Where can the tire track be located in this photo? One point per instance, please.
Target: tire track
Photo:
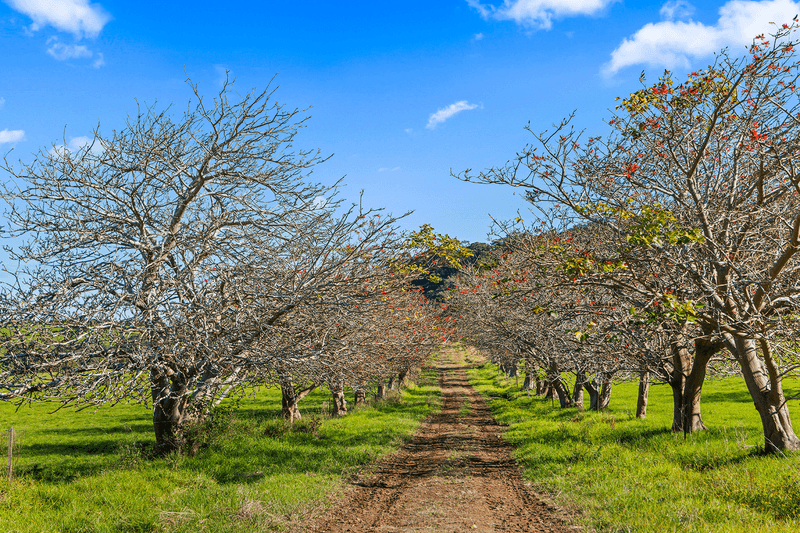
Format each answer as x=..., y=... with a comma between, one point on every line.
x=455, y=475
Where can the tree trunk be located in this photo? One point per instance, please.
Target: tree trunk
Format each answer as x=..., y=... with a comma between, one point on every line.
x=289, y=402
x=169, y=410
x=528, y=383
x=644, y=392
x=381, y=391
x=550, y=392
x=681, y=364
x=692, y=389
x=564, y=399
x=291, y=397
x=392, y=383
x=557, y=384
x=360, y=396
x=401, y=378
x=594, y=394
x=764, y=384
x=511, y=370
x=541, y=387
x=577, y=390
x=605, y=393
x=339, y=401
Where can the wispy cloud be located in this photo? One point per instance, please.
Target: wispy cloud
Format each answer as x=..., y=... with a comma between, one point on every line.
x=447, y=112
x=78, y=17
x=2, y=102
x=63, y=51
x=11, y=136
x=76, y=143
x=677, y=43
x=676, y=9
x=478, y=37
x=539, y=14
x=387, y=169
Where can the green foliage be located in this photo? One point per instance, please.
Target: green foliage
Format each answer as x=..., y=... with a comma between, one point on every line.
x=94, y=472
x=427, y=246
x=649, y=226
x=636, y=475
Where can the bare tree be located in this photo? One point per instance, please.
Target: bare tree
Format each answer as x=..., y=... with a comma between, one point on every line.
x=172, y=261
x=697, y=188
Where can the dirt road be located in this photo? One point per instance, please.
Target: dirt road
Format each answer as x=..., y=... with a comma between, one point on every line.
x=456, y=475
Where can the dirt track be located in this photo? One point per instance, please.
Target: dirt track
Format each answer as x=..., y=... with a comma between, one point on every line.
x=455, y=475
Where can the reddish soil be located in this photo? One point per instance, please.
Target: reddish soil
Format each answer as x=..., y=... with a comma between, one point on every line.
x=456, y=475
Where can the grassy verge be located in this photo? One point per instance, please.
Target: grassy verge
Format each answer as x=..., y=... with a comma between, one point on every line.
x=91, y=472
x=625, y=474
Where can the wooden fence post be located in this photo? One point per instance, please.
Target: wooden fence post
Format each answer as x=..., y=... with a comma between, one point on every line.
x=10, y=454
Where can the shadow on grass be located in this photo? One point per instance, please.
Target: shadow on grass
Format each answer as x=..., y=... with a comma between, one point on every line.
x=141, y=427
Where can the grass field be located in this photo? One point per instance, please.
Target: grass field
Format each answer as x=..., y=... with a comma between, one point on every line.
x=618, y=473
x=92, y=472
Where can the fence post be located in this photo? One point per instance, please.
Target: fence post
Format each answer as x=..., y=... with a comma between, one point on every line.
x=10, y=454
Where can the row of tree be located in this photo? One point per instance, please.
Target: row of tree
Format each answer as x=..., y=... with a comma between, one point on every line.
x=663, y=247
x=178, y=261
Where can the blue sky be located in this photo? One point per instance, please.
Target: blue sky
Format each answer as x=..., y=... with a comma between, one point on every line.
x=400, y=92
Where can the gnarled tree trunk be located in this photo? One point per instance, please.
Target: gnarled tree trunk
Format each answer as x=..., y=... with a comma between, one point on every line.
x=360, y=396
x=401, y=378
x=289, y=402
x=339, y=402
x=291, y=397
x=764, y=384
x=170, y=397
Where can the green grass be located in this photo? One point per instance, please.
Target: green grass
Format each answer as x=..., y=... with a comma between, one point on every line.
x=623, y=474
x=93, y=472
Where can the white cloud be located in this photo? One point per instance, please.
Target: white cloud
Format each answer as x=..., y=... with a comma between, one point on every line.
x=76, y=143
x=387, y=169
x=447, y=112
x=676, y=9
x=2, y=102
x=63, y=51
x=99, y=62
x=478, y=37
x=674, y=44
x=11, y=136
x=539, y=13
x=78, y=17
